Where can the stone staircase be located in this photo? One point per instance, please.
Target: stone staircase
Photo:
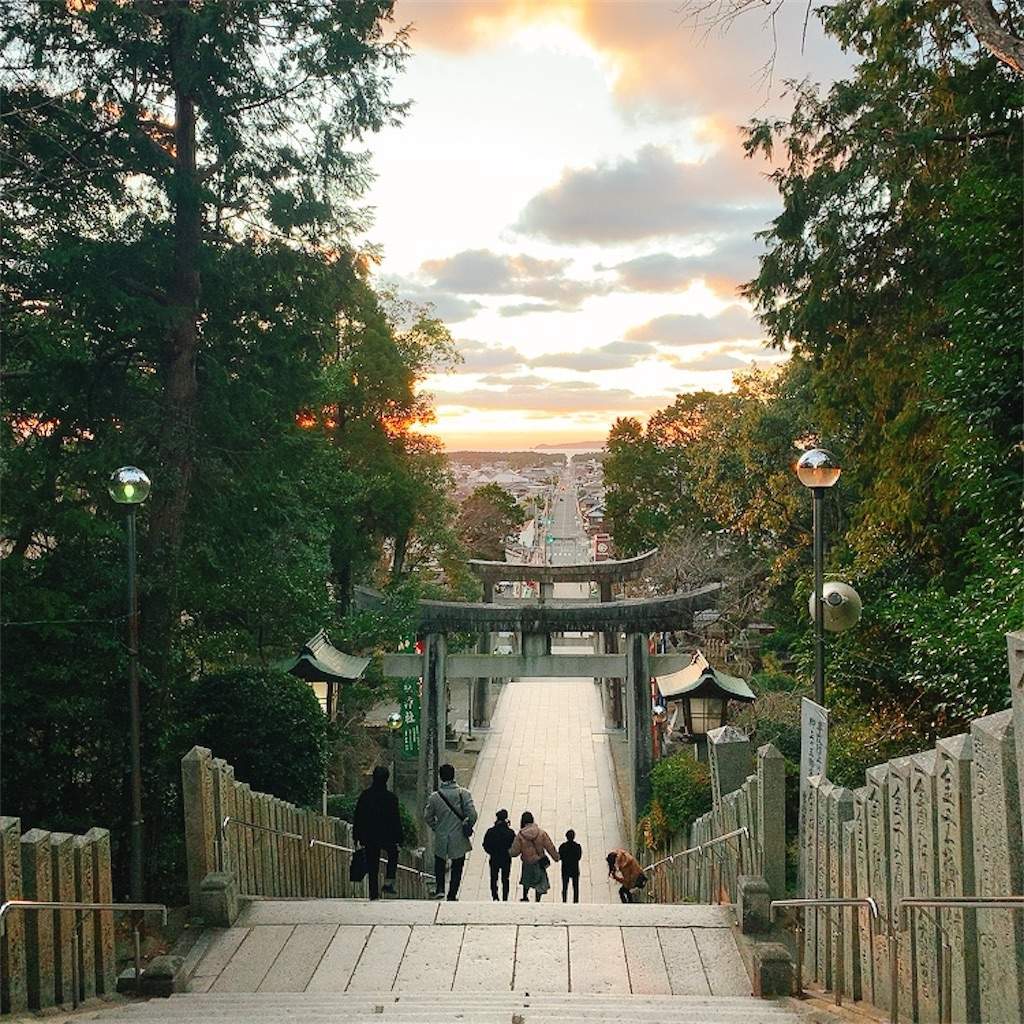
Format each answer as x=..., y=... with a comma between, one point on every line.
x=475, y=963
x=450, y=1008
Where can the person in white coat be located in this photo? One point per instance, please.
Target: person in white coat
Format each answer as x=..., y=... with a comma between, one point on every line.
x=451, y=816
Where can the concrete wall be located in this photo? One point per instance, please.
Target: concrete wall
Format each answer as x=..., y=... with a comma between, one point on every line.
x=36, y=948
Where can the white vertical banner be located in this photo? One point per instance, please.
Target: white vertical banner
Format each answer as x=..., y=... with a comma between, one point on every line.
x=813, y=759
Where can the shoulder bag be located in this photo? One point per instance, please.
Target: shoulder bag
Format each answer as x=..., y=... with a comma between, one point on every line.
x=467, y=829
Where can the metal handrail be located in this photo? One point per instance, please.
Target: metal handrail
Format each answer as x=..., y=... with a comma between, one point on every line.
x=905, y=903
x=798, y=933
x=349, y=849
x=741, y=831
x=229, y=820
x=77, y=907
x=681, y=853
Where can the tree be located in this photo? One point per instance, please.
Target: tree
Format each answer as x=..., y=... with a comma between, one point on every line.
x=487, y=519
x=199, y=124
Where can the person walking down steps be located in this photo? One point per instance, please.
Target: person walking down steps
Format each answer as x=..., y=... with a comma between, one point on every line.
x=626, y=870
x=497, y=841
x=377, y=827
x=450, y=814
x=570, y=853
x=534, y=845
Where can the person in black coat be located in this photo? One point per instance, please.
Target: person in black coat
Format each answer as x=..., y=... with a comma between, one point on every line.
x=569, y=855
x=497, y=842
x=377, y=827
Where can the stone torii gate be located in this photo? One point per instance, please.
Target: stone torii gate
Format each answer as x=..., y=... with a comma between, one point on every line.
x=535, y=624
x=605, y=574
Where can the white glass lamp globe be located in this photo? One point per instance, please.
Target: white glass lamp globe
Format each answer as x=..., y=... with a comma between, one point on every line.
x=129, y=485
x=841, y=606
x=818, y=468
x=394, y=721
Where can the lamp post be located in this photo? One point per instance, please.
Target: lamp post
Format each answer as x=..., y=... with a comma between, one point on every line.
x=394, y=731
x=130, y=486
x=818, y=470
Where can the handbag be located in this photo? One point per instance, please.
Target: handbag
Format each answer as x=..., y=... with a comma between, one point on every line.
x=467, y=829
x=358, y=869
x=544, y=863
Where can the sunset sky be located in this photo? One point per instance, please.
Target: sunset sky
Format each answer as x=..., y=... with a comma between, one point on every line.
x=570, y=193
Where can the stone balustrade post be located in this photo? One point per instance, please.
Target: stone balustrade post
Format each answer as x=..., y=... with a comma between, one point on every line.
x=998, y=866
x=62, y=865
x=200, y=820
x=13, y=979
x=82, y=848
x=37, y=884
x=103, y=923
x=771, y=818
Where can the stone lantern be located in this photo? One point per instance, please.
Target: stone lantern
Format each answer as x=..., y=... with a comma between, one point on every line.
x=704, y=694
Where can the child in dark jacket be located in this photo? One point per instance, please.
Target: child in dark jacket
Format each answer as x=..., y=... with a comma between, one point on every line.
x=497, y=842
x=569, y=854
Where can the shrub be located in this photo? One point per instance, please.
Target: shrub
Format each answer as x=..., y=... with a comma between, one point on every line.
x=269, y=726
x=680, y=792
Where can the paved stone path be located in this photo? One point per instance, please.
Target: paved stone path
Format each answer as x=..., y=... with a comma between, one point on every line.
x=547, y=753
x=403, y=946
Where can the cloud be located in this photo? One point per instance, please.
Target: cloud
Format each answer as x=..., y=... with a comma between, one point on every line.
x=710, y=361
x=525, y=308
x=480, y=358
x=617, y=356
x=483, y=272
x=695, y=329
x=650, y=195
x=732, y=262
x=447, y=307
x=550, y=397
x=663, y=63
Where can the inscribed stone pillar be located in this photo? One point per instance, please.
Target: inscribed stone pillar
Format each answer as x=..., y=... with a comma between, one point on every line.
x=37, y=884
x=879, y=871
x=730, y=761
x=901, y=880
x=852, y=917
x=1015, y=657
x=639, y=722
x=200, y=825
x=62, y=865
x=86, y=940
x=823, y=871
x=956, y=871
x=771, y=818
x=103, y=924
x=865, y=923
x=999, y=866
x=433, y=714
x=13, y=982
x=925, y=868
x=840, y=811
x=809, y=844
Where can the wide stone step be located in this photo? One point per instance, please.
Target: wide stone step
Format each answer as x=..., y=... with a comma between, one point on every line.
x=442, y=1008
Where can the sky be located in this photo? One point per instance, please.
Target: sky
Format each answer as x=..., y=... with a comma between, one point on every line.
x=570, y=193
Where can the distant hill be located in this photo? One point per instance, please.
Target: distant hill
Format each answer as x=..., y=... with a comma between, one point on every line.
x=592, y=446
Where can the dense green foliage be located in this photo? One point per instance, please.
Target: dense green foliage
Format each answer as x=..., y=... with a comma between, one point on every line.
x=180, y=293
x=893, y=275
x=266, y=724
x=680, y=793
x=487, y=519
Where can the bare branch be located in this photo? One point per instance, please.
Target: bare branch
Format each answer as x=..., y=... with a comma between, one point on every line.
x=1002, y=42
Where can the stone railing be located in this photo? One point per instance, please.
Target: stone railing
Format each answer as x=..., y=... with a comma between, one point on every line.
x=37, y=949
x=942, y=823
x=265, y=846
x=743, y=834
